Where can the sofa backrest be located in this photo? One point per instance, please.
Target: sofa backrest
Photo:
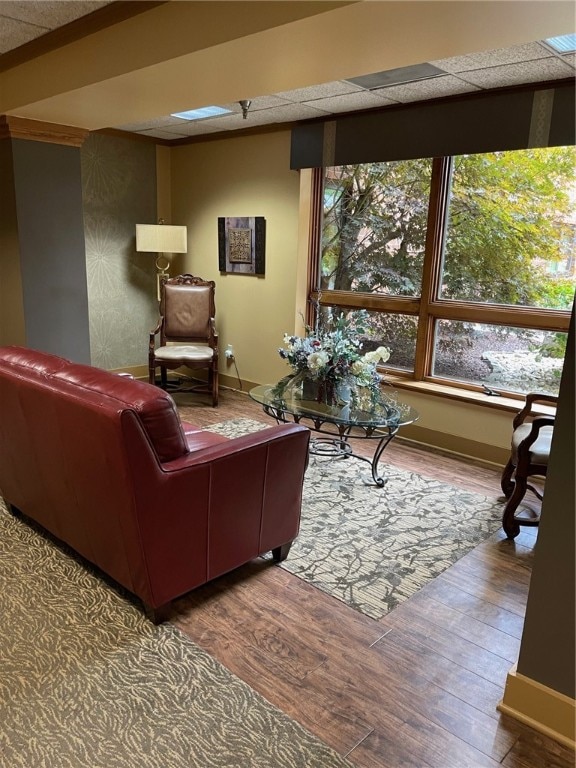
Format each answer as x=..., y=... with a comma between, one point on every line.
x=154, y=407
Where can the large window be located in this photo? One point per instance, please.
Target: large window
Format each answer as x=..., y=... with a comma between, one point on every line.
x=466, y=264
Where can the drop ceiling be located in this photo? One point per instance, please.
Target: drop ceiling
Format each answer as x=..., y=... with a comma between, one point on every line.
x=24, y=21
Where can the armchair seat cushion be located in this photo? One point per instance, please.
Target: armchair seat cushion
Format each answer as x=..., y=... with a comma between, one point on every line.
x=540, y=448
x=189, y=352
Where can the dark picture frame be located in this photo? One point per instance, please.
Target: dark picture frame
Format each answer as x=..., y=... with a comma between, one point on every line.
x=242, y=245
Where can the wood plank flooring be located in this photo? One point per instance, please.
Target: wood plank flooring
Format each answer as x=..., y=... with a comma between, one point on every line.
x=417, y=689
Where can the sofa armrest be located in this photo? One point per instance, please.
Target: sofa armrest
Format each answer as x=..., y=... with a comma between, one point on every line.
x=207, y=513
x=234, y=446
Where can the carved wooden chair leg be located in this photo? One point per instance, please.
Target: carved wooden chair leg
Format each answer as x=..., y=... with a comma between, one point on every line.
x=509, y=523
x=281, y=553
x=506, y=482
x=214, y=381
x=163, y=377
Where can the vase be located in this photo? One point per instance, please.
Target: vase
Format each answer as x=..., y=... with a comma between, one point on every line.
x=326, y=391
x=343, y=392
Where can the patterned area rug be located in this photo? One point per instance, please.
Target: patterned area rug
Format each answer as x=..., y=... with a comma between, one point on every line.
x=373, y=548
x=87, y=682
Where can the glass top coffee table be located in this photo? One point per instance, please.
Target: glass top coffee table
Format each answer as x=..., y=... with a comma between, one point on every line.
x=337, y=424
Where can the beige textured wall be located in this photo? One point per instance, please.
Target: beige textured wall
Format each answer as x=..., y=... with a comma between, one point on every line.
x=246, y=176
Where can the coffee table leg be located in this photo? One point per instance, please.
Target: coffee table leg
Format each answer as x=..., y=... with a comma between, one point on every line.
x=378, y=479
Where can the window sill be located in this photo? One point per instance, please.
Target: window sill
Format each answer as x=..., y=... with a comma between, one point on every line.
x=501, y=403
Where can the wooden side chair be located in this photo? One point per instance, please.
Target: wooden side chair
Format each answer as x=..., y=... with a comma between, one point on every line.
x=188, y=336
x=531, y=440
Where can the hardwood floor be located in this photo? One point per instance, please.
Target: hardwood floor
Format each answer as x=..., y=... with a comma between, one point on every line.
x=417, y=689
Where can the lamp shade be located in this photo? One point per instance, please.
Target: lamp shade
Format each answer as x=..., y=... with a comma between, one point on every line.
x=161, y=238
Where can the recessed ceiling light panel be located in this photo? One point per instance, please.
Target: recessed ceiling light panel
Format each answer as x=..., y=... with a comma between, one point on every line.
x=396, y=76
x=202, y=113
x=562, y=44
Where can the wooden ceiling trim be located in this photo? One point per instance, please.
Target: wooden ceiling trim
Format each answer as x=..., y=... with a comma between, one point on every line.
x=35, y=130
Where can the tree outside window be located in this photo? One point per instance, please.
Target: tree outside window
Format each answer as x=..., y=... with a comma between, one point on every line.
x=466, y=264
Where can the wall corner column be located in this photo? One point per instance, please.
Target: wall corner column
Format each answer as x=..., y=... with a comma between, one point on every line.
x=43, y=290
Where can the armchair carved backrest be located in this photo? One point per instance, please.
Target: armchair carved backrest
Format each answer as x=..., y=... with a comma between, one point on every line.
x=531, y=439
x=187, y=332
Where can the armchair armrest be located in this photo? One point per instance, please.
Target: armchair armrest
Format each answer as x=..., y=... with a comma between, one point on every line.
x=153, y=334
x=531, y=398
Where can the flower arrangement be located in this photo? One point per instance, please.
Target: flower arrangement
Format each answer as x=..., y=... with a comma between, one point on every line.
x=333, y=357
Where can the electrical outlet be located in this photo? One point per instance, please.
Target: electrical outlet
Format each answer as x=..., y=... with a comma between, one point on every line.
x=229, y=353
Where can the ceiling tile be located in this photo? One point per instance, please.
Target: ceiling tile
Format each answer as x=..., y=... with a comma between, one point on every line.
x=159, y=122
x=516, y=74
x=433, y=88
x=198, y=127
x=351, y=101
x=15, y=33
x=497, y=57
x=323, y=91
x=47, y=13
x=289, y=112
x=158, y=133
x=257, y=103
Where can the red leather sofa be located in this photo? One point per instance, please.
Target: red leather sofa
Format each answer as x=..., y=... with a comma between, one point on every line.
x=104, y=463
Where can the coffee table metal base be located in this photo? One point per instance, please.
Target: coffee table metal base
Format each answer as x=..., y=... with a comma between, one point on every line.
x=338, y=445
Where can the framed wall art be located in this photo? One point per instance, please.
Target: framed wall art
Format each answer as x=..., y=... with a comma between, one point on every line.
x=242, y=244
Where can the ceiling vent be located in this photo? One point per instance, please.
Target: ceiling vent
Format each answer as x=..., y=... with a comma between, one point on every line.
x=396, y=76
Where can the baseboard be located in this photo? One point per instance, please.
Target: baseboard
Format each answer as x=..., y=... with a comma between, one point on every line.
x=232, y=382
x=462, y=446
x=540, y=707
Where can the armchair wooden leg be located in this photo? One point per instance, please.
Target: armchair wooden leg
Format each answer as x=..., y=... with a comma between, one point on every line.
x=214, y=384
x=509, y=522
x=281, y=553
x=506, y=481
x=163, y=377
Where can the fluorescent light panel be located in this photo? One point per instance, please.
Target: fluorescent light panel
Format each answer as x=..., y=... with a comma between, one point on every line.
x=563, y=43
x=203, y=112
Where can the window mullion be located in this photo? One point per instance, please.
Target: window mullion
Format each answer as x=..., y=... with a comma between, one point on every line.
x=432, y=267
x=314, y=245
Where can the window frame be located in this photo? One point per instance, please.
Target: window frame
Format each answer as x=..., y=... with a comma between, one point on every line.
x=428, y=308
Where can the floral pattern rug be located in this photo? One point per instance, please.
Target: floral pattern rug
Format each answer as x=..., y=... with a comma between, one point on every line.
x=373, y=548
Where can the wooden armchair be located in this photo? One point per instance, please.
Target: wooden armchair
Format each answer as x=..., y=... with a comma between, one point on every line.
x=187, y=329
x=531, y=440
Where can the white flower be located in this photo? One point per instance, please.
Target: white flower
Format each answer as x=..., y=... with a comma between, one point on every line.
x=358, y=367
x=317, y=360
x=382, y=353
